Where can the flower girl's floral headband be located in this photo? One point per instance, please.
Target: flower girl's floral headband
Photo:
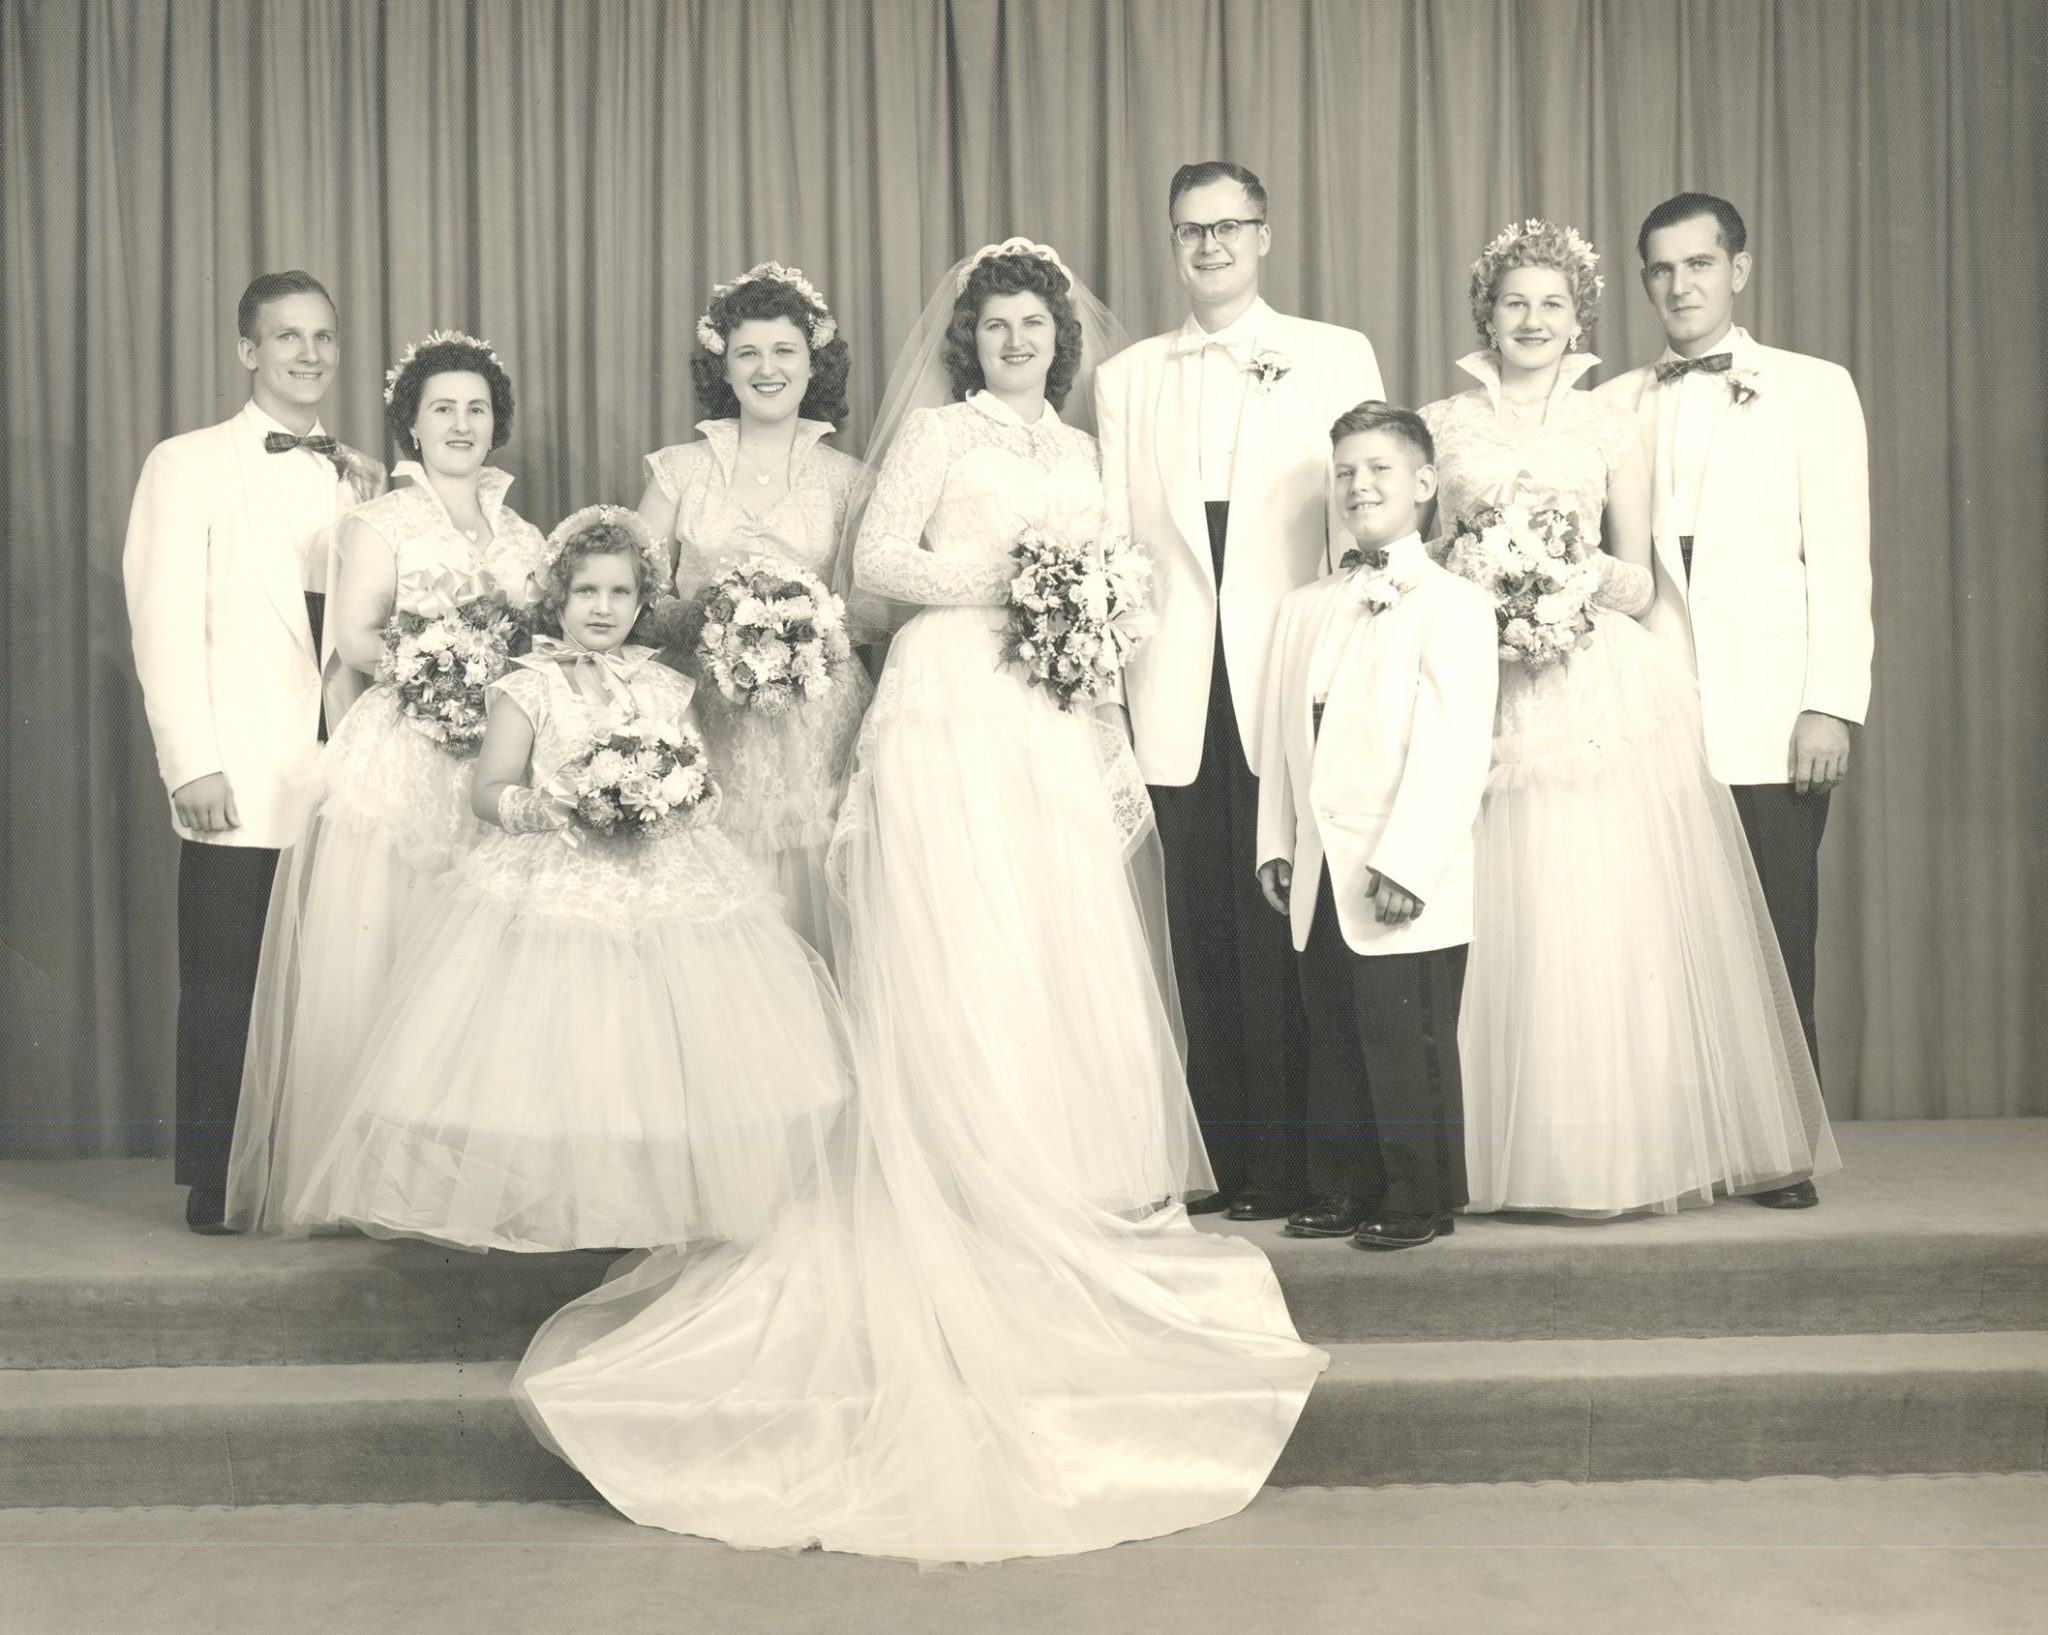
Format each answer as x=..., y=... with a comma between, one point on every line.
x=436, y=337
x=823, y=326
x=1009, y=246
x=652, y=553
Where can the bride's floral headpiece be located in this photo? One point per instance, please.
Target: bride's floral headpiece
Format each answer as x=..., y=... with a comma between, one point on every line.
x=1537, y=243
x=434, y=337
x=619, y=517
x=822, y=325
x=1009, y=246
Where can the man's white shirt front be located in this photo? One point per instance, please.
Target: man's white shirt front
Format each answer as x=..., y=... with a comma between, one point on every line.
x=1688, y=411
x=299, y=489
x=1223, y=366
x=1334, y=640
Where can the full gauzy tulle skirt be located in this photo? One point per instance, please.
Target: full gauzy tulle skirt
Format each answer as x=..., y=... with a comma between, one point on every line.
x=984, y=1334
x=389, y=813
x=1628, y=1036
x=598, y=1045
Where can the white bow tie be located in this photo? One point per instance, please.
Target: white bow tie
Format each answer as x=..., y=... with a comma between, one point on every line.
x=1190, y=345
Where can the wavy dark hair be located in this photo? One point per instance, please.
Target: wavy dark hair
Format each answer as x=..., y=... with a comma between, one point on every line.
x=765, y=298
x=1014, y=275
x=447, y=358
x=597, y=539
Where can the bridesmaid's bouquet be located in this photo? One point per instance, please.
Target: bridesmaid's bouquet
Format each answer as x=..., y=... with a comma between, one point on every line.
x=1532, y=561
x=772, y=636
x=439, y=665
x=637, y=778
x=1077, y=611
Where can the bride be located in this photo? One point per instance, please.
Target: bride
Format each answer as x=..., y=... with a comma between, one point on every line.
x=984, y=1335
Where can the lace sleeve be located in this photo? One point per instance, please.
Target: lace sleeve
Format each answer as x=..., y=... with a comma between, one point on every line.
x=889, y=557
x=1623, y=586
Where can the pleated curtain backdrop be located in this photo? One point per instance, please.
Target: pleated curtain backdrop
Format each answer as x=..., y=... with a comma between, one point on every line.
x=569, y=177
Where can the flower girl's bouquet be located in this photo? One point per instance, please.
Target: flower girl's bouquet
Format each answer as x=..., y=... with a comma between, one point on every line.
x=439, y=665
x=1078, y=609
x=772, y=636
x=638, y=778
x=1532, y=560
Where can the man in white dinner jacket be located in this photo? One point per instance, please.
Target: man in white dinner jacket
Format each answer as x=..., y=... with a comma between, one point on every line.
x=1761, y=535
x=1215, y=456
x=1377, y=735
x=225, y=564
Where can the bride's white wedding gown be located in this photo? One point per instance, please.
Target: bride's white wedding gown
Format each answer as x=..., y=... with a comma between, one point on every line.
x=981, y=1336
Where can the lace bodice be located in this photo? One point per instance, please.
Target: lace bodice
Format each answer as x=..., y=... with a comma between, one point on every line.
x=436, y=560
x=960, y=484
x=712, y=529
x=1571, y=455
x=1567, y=461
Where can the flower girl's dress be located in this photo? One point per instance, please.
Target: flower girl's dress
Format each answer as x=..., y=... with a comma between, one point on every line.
x=1628, y=1037
x=612, y=1042
x=983, y=1337
x=389, y=813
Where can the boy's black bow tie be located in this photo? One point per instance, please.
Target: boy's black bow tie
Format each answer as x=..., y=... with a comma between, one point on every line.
x=1714, y=363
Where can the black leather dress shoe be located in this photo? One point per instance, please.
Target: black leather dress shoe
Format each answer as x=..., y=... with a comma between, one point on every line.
x=1799, y=1195
x=1333, y=1215
x=206, y=1211
x=1214, y=1204
x=1257, y=1204
x=1403, y=1231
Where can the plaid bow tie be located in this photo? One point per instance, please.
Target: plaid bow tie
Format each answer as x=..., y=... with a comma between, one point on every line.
x=1714, y=363
x=283, y=442
x=1356, y=558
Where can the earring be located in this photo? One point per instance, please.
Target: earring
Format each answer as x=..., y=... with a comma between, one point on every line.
x=1493, y=337
x=1572, y=345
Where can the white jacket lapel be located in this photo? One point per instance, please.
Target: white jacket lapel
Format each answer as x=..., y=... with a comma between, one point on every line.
x=1174, y=430
x=259, y=547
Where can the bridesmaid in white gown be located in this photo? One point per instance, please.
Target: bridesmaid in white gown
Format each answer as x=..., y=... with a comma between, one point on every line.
x=771, y=374
x=985, y=1337
x=1628, y=1037
x=390, y=810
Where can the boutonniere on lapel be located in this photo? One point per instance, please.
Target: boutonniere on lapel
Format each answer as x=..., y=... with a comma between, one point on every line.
x=1269, y=367
x=1744, y=386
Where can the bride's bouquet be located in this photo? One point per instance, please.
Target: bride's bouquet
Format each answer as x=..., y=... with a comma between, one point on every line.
x=636, y=779
x=1078, y=608
x=1532, y=561
x=771, y=636
x=439, y=665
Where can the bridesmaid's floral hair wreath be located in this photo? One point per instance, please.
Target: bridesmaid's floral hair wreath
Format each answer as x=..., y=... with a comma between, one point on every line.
x=601, y=530
x=1009, y=246
x=1536, y=243
x=436, y=337
x=821, y=324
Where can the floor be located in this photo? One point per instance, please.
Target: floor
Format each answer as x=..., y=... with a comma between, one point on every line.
x=1860, y=1555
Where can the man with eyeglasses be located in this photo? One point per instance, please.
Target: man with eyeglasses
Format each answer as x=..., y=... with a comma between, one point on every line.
x=1216, y=456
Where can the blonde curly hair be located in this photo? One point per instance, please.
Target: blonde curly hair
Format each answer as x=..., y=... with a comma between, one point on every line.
x=1536, y=243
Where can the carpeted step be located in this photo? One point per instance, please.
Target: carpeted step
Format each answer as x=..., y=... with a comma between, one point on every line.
x=1573, y=1410
x=1933, y=1228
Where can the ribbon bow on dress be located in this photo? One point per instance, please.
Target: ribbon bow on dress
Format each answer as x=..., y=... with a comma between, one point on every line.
x=434, y=593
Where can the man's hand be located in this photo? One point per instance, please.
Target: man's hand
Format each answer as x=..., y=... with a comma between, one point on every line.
x=1392, y=905
x=206, y=805
x=1819, y=757
x=1276, y=879
x=365, y=475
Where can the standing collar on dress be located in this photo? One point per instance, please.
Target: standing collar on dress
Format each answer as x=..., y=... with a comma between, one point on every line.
x=262, y=421
x=723, y=439
x=1237, y=337
x=1736, y=342
x=491, y=483
x=997, y=410
x=1484, y=367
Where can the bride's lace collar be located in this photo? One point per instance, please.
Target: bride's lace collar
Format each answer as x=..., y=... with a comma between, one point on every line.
x=1003, y=415
x=491, y=483
x=1484, y=367
x=722, y=437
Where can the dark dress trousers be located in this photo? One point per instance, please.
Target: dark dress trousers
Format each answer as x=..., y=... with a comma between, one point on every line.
x=1247, y=1036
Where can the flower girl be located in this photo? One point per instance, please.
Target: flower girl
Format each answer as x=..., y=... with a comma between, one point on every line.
x=603, y=1033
